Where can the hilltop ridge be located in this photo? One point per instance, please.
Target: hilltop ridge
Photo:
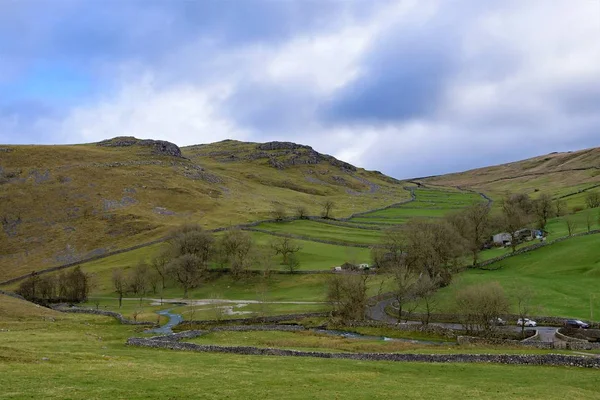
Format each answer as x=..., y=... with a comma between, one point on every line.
x=60, y=204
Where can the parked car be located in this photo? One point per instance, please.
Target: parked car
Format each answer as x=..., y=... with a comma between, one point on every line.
x=526, y=322
x=575, y=323
x=498, y=322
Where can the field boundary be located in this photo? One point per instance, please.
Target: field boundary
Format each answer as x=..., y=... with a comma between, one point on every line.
x=172, y=342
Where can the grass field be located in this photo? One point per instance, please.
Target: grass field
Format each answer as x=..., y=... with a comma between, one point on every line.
x=323, y=231
x=563, y=278
x=85, y=357
x=428, y=203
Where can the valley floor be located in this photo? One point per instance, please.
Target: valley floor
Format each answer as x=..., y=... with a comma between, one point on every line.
x=50, y=355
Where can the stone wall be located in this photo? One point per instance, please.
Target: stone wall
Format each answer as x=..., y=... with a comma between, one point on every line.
x=519, y=359
x=467, y=340
x=533, y=247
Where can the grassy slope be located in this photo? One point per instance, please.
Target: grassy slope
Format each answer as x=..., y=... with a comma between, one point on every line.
x=561, y=277
x=87, y=359
x=557, y=174
x=61, y=203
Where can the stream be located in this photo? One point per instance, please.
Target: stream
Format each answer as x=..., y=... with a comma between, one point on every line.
x=176, y=319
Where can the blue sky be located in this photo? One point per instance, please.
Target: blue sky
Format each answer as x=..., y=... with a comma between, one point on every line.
x=411, y=88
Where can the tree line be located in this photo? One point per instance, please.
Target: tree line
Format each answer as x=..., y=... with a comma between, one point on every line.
x=68, y=286
x=189, y=252
x=424, y=254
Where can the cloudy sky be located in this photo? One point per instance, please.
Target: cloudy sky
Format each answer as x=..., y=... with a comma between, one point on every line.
x=410, y=88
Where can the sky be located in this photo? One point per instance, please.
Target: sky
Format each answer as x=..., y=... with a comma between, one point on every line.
x=407, y=87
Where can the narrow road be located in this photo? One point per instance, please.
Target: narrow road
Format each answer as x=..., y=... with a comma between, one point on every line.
x=377, y=313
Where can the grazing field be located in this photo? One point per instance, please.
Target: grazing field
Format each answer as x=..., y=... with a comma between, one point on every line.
x=563, y=278
x=85, y=357
x=317, y=230
x=428, y=203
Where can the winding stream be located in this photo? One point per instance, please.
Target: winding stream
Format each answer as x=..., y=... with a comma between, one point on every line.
x=176, y=319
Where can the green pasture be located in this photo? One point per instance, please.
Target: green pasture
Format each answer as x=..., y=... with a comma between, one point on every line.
x=322, y=231
x=85, y=357
x=563, y=278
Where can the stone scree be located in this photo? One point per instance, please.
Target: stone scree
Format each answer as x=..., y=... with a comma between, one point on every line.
x=119, y=317
x=172, y=342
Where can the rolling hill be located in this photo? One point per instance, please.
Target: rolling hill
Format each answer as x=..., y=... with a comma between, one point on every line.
x=59, y=204
x=566, y=175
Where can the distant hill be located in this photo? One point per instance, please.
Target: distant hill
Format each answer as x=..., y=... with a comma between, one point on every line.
x=59, y=204
x=566, y=175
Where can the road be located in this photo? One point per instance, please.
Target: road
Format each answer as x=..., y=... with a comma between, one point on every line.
x=377, y=313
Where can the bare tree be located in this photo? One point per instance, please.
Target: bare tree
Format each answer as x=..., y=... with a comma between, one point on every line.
x=159, y=264
x=119, y=284
x=187, y=271
x=473, y=224
x=285, y=246
x=589, y=221
x=278, y=211
x=433, y=248
x=425, y=291
x=481, y=305
x=592, y=199
x=560, y=207
x=524, y=304
x=301, y=212
x=404, y=287
x=543, y=209
x=347, y=294
x=515, y=215
x=571, y=224
x=139, y=279
x=293, y=263
x=328, y=206
x=235, y=247
x=192, y=239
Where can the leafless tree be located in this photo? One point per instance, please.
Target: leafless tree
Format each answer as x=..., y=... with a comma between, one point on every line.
x=278, y=211
x=293, y=263
x=187, y=271
x=433, y=248
x=119, y=284
x=347, y=294
x=301, y=212
x=159, y=264
x=592, y=199
x=571, y=224
x=192, y=239
x=328, y=206
x=425, y=291
x=285, y=246
x=473, y=224
x=404, y=290
x=524, y=303
x=481, y=305
x=560, y=207
x=515, y=215
x=139, y=279
x=544, y=210
x=589, y=221
x=235, y=248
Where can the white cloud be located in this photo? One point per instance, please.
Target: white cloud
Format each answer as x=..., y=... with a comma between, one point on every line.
x=184, y=114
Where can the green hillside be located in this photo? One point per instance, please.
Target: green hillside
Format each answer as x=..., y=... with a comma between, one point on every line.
x=563, y=175
x=563, y=278
x=59, y=204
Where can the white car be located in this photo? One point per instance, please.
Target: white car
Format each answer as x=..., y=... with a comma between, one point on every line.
x=526, y=322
